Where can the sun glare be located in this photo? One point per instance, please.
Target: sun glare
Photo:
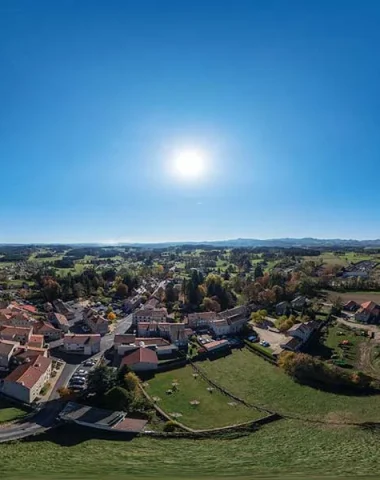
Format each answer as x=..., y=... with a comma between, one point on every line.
x=189, y=164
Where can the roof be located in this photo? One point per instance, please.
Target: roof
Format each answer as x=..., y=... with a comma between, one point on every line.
x=242, y=310
x=28, y=308
x=45, y=327
x=303, y=327
x=153, y=341
x=10, y=331
x=124, y=338
x=36, y=340
x=369, y=306
x=351, y=303
x=140, y=355
x=216, y=344
x=292, y=343
x=61, y=319
x=7, y=346
x=222, y=322
x=81, y=339
x=28, y=374
x=130, y=425
x=202, y=316
x=157, y=312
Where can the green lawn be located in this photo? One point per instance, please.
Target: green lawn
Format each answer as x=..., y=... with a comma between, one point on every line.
x=8, y=412
x=213, y=410
x=284, y=449
x=261, y=383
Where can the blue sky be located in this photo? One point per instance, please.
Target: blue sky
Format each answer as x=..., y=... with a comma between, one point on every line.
x=282, y=98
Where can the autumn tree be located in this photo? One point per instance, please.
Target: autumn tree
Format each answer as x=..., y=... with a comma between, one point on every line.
x=122, y=290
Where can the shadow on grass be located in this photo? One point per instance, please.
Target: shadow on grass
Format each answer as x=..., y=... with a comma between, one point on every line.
x=71, y=435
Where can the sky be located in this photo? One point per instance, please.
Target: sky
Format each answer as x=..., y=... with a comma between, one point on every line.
x=98, y=98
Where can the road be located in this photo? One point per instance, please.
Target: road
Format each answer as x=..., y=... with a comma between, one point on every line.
x=369, y=328
x=43, y=420
x=122, y=326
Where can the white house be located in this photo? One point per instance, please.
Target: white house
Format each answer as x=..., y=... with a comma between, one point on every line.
x=27, y=380
x=82, y=344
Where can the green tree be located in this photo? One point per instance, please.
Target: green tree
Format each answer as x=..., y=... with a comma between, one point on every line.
x=122, y=290
x=118, y=398
x=101, y=379
x=258, y=271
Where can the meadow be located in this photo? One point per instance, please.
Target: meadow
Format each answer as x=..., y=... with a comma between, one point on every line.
x=284, y=449
x=261, y=383
x=214, y=409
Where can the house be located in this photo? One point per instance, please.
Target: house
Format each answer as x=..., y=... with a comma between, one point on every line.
x=95, y=322
x=283, y=308
x=201, y=319
x=64, y=309
x=220, y=327
x=368, y=312
x=292, y=344
x=132, y=303
x=141, y=360
x=351, y=306
x=299, y=302
x=175, y=332
x=112, y=421
x=60, y=321
x=161, y=346
x=48, y=307
x=36, y=340
x=26, y=353
x=49, y=332
x=150, y=315
x=22, y=307
x=222, y=323
x=302, y=331
x=123, y=339
x=16, y=334
x=27, y=380
x=7, y=349
x=216, y=346
x=82, y=344
x=15, y=318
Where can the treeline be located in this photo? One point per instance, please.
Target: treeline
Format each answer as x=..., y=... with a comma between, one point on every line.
x=311, y=371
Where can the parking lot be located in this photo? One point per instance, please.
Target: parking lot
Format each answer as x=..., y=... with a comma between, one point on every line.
x=273, y=338
x=78, y=380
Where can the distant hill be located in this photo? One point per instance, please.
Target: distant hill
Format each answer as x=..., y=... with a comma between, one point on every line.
x=276, y=242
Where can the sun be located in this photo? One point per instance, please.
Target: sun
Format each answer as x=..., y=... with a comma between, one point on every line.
x=189, y=164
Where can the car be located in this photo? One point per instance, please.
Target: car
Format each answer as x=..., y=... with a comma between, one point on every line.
x=81, y=370
x=89, y=363
x=77, y=387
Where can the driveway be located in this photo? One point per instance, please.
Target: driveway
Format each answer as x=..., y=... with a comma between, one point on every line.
x=273, y=338
x=361, y=326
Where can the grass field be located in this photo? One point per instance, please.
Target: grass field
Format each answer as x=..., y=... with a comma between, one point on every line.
x=8, y=412
x=358, y=297
x=329, y=344
x=261, y=383
x=213, y=410
x=284, y=449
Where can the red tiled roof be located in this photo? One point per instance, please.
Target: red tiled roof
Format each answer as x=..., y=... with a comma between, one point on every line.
x=10, y=331
x=28, y=308
x=152, y=341
x=45, y=327
x=131, y=425
x=28, y=374
x=215, y=344
x=37, y=340
x=369, y=306
x=140, y=355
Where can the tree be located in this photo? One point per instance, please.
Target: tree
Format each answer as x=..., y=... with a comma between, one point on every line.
x=118, y=398
x=64, y=392
x=122, y=290
x=111, y=316
x=51, y=289
x=101, y=379
x=121, y=373
x=131, y=382
x=258, y=271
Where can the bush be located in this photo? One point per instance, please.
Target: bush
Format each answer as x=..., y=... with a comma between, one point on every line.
x=259, y=348
x=170, y=426
x=310, y=370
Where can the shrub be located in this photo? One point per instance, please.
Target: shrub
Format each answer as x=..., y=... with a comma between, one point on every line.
x=170, y=426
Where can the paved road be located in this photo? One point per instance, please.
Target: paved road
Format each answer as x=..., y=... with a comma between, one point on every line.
x=122, y=326
x=43, y=420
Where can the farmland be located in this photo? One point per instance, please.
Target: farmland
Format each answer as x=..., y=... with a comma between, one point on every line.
x=265, y=452
x=358, y=297
x=252, y=378
x=214, y=409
